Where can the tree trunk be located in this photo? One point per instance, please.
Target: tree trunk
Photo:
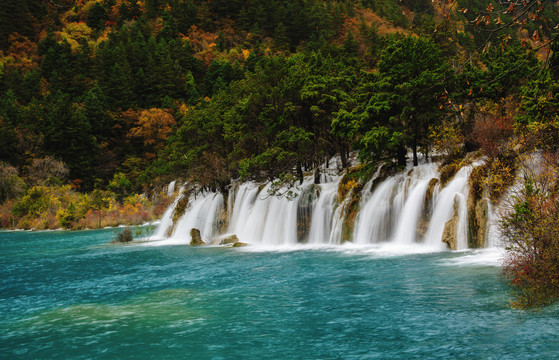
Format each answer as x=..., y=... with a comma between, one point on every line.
x=415, y=131
x=317, y=176
x=300, y=172
x=402, y=156
x=415, y=162
x=343, y=155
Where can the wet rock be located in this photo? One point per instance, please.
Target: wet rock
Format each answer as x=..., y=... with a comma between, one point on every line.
x=223, y=220
x=426, y=212
x=196, y=238
x=232, y=239
x=478, y=218
x=451, y=229
x=239, y=244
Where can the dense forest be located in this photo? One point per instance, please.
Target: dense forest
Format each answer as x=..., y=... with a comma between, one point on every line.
x=102, y=100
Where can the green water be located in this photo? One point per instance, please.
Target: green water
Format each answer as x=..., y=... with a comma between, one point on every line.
x=70, y=295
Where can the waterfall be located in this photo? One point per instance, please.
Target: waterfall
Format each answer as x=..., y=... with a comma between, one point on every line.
x=444, y=207
x=166, y=221
x=202, y=213
x=261, y=218
x=171, y=188
x=323, y=229
x=416, y=186
x=373, y=221
x=393, y=211
x=406, y=209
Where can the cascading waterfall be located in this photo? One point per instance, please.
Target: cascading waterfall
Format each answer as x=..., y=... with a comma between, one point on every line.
x=202, y=213
x=171, y=188
x=413, y=189
x=404, y=209
x=167, y=219
x=323, y=229
x=373, y=221
x=265, y=219
x=454, y=192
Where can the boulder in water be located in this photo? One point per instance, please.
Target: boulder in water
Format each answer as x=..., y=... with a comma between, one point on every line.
x=239, y=244
x=231, y=239
x=196, y=237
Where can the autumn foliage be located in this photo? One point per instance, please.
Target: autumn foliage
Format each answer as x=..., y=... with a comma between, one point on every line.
x=55, y=207
x=530, y=231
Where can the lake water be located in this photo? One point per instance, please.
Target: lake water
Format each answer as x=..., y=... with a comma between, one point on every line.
x=71, y=295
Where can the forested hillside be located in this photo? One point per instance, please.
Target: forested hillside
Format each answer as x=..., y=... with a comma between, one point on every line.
x=125, y=95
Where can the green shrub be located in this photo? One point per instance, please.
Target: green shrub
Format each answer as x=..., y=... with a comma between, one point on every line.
x=124, y=236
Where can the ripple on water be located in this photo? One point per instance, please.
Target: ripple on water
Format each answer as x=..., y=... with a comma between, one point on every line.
x=86, y=300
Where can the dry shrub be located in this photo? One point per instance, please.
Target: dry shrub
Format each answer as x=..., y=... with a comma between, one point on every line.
x=47, y=171
x=491, y=132
x=7, y=220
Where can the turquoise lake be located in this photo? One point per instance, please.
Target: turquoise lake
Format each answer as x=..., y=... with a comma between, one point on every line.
x=72, y=295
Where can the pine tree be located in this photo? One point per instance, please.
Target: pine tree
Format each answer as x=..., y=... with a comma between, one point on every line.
x=95, y=111
x=97, y=16
x=170, y=28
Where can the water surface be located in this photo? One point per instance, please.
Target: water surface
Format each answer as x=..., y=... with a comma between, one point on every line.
x=71, y=295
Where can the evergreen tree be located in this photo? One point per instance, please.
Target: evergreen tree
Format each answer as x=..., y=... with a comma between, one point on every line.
x=97, y=16
x=69, y=137
x=95, y=112
x=170, y=28
x=153, y=8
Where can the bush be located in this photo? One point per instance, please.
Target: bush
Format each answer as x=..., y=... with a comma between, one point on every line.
x=478, y=179
x=124, y=236
x=502, y=175
x=530, y=229
x=492, y=132
x=47, y=171
x=11, y=185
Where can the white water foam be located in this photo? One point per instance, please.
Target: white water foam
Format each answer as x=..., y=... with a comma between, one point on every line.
x=387, y=221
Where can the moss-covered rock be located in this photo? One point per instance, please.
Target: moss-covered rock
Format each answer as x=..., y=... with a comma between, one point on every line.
x=426, y=212
x=451, y=229
x=477, y=181
x=350, y=211
x=448, y=171
x=196, y=238
x=478, y=207
x=502, y=175
x=182, y=204
x=231, y=239
x=478, y=222
x=239, y=244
